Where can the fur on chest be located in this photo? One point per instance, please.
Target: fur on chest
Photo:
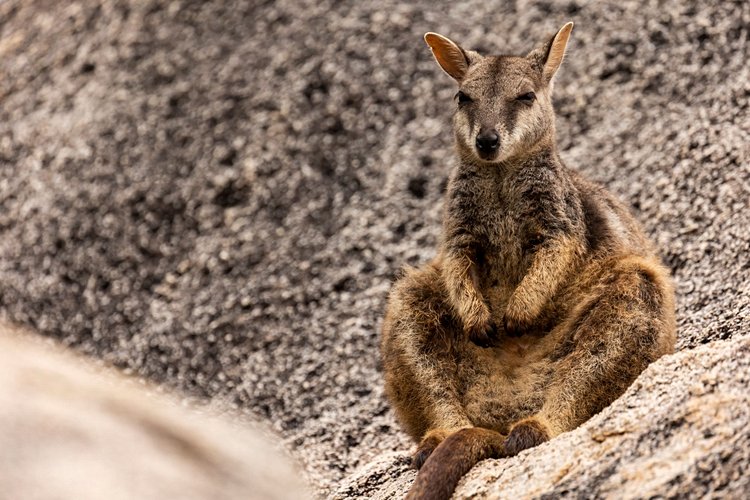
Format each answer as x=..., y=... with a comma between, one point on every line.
x=504, y=219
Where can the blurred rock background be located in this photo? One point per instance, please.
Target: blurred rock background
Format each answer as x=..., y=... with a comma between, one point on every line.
x=216, y=195
x=70, y=429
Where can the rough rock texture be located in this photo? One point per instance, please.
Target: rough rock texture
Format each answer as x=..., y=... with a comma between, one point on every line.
x=215, y=195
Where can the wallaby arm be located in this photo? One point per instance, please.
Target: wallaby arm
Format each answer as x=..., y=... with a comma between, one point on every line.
x=549, y=268
x=459, y=271
x=459, y=260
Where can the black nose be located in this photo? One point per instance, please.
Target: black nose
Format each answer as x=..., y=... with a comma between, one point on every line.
x=488, y=141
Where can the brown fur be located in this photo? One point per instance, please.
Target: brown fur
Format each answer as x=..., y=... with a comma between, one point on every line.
x=545, y=301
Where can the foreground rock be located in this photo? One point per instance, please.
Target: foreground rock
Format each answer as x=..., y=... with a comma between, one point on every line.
x=71, y=430
x=681, y=431
x=215, y=195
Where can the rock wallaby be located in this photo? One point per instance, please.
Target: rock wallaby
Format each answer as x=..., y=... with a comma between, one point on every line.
x=545, y=300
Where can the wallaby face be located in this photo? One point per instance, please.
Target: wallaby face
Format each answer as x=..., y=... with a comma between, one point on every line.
x=504, y=106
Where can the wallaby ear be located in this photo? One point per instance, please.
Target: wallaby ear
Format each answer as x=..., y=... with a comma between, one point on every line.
x=448, y=55
x=550, y=56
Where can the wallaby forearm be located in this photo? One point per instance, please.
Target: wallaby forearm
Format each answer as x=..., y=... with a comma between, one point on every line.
x=549, y=268
x=460, y=274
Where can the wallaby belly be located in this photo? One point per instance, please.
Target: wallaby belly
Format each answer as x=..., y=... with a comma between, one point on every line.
x=503, y=384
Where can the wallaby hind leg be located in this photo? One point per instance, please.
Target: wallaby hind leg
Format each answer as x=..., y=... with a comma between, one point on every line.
x=626, y=323
x=419, y=339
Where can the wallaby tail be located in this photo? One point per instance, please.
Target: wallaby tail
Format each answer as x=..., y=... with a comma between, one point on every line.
x=453, y=458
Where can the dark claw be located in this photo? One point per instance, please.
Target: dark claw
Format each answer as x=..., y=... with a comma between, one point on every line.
x=485, y=338
x=424, y=450
x=419, y=458
x=513, y=329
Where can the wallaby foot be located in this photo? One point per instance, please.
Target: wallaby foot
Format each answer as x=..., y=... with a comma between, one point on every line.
x=526, y=434
x=430, y=441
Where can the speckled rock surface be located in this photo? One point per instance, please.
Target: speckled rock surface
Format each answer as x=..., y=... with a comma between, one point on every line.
x=216, y=195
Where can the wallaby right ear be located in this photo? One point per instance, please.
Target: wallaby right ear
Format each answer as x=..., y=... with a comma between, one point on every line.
x=549, y=57
x=448, y=55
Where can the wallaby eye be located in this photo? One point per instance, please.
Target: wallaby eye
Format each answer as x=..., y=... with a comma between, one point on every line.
x=528, y=97
x=463, y=98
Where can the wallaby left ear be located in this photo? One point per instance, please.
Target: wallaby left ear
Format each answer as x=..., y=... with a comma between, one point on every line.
x=549, y=57
x=449, y=55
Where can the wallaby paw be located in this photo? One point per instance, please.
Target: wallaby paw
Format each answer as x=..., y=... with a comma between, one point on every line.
x=431, y=441
x=479, y=327
x=517, y=320
x=484, y=337
x=525, y=434
x=513, y=327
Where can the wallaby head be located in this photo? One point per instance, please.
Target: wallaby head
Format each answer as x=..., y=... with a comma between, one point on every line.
x=504, y=108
